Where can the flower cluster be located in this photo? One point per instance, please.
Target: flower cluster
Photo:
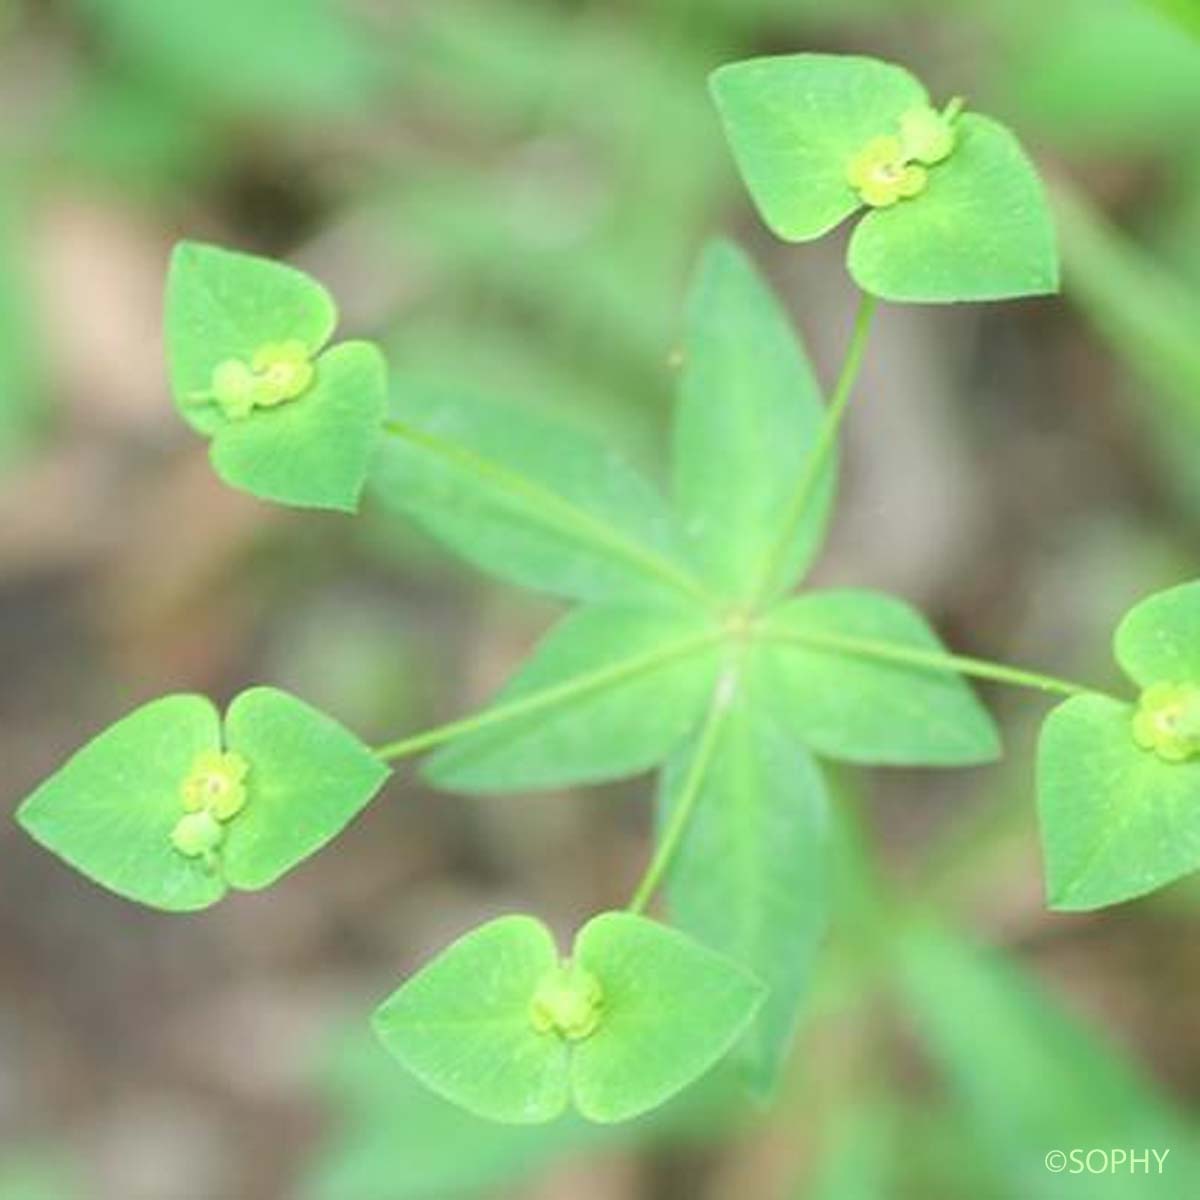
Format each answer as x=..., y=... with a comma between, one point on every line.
x=213, y=793
x=892, y=167
x=1167, y=721
x=277, y=372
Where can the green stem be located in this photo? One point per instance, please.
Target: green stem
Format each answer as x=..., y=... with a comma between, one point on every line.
x=558, y=693
x=553, y=509
x=814, y=465
x=933, y=660
x=684, y=805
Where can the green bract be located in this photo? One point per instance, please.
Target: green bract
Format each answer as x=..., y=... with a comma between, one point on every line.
x=290, y=420
x=957, y=210
x=639, y=1012
x=171, y=806
x=1119, y=784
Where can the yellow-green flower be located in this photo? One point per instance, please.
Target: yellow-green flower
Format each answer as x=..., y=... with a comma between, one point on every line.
x=284, y=371
x=1167, y=721
x=234, y=389
x=568, y=1002
x=216, y=785
x=881, y=175
x=277, y=372
x=198, y=835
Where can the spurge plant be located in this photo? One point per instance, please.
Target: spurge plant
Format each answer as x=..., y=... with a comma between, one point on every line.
x=689, y=651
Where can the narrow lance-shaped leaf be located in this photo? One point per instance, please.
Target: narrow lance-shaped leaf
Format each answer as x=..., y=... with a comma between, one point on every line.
x=832, y=666
x=1119, y=784
x=749, y=878
x=655, y=667
x=746, y=422
x=289, y=421
x=525, y=496
x=501, y=1026
x=167, y=808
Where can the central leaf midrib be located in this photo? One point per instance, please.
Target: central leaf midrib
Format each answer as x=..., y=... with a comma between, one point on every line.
x=546, y=505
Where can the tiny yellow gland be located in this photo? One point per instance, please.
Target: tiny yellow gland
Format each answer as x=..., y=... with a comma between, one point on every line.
x=926, y=136
x=197, y=835
x=568, y=1002
x=234, y=389
x=1167, y=721
x=216, y=785
x=283, y=371
x=881, y=175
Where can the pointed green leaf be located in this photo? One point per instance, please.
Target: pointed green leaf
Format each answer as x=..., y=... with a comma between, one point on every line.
x=524, y=496
x=654, y=670
x=980, y=230
x=114, y=811
x=1117, y=821
x=794, y=122
x=747, y=418
x=313, y=449
x=832, y=667
x=749, y=877
x=462, y=1025
x=671, y=1009
x=309, y=779
x=1158, y=641
x=109, y=811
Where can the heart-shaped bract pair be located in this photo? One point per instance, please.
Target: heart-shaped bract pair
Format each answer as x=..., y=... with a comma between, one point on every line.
x=956, y=213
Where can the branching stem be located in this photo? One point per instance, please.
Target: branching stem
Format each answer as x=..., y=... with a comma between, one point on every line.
x=685, y=802
x=932, y=660
x=814, y=466
x=559, y=693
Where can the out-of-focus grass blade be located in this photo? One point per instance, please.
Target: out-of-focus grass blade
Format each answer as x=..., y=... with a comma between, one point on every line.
x=278, y=56
x=1151, y=320
x=393, y=1138
x=1030, y=1078
x=1097, y=74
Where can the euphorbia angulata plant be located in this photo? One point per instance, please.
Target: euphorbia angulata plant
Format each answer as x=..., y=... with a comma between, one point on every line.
x=693, y=648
